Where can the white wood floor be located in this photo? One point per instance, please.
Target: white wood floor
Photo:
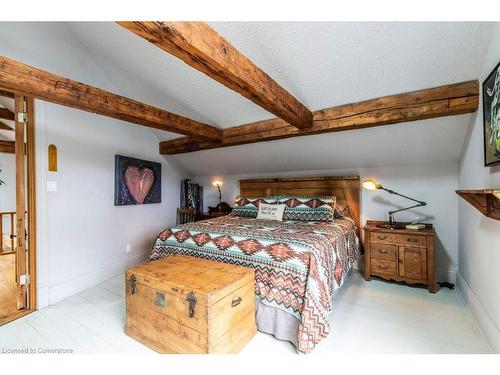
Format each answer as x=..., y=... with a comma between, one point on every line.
x=368, y=317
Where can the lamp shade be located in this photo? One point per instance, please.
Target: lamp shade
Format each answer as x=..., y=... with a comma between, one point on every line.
x=217, y=182
x=371, y=185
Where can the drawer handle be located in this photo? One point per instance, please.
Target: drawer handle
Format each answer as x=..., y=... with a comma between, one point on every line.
x=236, y=302
x=382, y=237
x=409, y=239
x=382, y=251
x=382, y=267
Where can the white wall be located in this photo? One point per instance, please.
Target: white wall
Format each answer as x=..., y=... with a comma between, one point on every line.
x=8, y=175
x=8, y=190
x=82, y=236
x=434, y=184
x=85, y=236
x=479, y=236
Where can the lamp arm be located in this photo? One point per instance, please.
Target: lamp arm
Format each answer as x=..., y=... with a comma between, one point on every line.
x=408, y=208
x=420, y=203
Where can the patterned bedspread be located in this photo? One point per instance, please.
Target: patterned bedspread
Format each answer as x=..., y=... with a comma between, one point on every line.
x=298, y=265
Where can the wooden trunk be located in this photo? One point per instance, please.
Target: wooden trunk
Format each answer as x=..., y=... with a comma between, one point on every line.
x=183, y=304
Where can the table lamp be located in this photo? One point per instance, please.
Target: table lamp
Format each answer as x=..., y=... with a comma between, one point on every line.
x=373, y=185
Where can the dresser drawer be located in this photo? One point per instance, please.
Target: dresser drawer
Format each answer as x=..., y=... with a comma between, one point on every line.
x=402, y=239
x=383, y=266
x=384, y=251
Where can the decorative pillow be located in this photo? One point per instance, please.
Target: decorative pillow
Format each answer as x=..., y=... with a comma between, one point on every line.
x=341, y=210
x=308, y=208
x=249, y=206
x=271, y=211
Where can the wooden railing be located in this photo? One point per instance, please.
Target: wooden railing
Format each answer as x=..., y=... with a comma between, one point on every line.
x=7, y=239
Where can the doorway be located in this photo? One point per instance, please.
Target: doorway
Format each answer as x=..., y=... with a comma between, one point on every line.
x=17, y=207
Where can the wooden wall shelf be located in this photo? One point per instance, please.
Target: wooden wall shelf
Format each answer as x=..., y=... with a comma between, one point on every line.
x=487, y=201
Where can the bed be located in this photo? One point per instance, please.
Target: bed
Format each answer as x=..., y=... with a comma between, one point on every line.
x=299, y=265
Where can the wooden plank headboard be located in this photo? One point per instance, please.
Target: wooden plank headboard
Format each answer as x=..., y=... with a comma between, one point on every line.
x=346, y=188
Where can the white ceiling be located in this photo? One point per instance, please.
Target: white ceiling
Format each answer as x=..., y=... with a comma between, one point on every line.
x=323, y=65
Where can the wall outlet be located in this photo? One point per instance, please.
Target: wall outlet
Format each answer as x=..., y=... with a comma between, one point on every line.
x=128, y=249
x=52, y=186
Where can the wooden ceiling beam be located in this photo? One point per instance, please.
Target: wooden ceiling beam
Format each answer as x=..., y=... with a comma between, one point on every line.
x=6, y=114
x=201, y=47
x=27, y=80
x=4, y=126
x=440, y=101
x=7, y=94
x=7, y=147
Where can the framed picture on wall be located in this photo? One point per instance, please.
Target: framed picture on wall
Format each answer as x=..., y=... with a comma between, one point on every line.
x=136, y=181
x=491, y=117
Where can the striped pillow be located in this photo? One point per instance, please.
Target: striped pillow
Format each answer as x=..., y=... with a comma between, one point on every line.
x=308, y=208
x=249, y=206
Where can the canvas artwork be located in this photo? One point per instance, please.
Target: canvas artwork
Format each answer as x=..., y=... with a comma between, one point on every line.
x=491, y=117
x=136, y=181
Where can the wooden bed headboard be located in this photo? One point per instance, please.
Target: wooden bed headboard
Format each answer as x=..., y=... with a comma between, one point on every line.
x=346, y=188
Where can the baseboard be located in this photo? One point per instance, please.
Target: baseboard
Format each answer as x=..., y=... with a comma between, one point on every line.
x=479, y=315
x=64, y=290
x=43, y=297
x=446, y=275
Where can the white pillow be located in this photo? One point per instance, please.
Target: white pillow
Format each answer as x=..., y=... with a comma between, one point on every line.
x=271, y=211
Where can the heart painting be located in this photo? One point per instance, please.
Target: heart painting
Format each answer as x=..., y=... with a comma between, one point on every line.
x=139, y=182
x=136, y=181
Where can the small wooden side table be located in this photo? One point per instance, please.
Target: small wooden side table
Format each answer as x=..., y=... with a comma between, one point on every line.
x=400, y=254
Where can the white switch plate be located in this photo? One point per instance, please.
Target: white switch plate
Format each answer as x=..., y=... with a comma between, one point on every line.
x=128, y=249
x=51, y=185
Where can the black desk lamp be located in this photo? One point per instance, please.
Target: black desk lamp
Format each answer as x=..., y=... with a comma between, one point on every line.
x=373, y=185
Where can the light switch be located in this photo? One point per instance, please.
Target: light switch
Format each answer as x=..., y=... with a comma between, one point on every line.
x=51, y=185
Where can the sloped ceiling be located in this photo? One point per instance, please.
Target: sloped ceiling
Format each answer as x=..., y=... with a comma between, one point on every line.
x=323, y=65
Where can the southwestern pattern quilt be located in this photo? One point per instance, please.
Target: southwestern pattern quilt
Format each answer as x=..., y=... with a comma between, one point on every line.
x=308, y=208
x=298, y=265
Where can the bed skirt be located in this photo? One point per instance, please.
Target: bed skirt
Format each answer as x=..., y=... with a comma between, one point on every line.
x=276, y=322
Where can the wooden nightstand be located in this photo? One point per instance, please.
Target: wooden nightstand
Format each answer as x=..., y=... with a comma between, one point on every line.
x=400, y=254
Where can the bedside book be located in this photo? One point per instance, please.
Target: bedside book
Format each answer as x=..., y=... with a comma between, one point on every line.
x=415, y=226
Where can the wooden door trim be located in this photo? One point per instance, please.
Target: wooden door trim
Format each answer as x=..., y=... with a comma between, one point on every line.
x=30, y=189
x=21, y=255
x=31, y=208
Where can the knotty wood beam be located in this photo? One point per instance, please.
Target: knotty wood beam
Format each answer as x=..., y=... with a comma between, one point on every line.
x=6, y=114
x=27, y=80
x=440, y=101
x=201, y=47
x=5, y=127
x=7, y=146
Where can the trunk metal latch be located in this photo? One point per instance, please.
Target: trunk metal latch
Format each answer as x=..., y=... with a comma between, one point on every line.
x=133, y=284
x=191, y=298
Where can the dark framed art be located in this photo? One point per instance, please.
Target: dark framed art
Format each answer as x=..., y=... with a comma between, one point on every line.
x=136, y=181
x=491, y=117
